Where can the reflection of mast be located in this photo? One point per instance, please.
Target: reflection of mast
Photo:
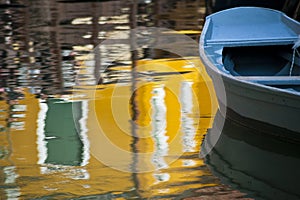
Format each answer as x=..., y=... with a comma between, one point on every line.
x=95, y=40
x=54, y=36
x=134, y=53
x=134, y=58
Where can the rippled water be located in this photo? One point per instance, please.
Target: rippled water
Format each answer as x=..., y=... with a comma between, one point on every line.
x=86, y=112
x=90, y=146
x=121, y=133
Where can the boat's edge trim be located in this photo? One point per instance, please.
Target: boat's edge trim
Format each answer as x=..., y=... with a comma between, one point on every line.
x=245, y=7
x=264, y=42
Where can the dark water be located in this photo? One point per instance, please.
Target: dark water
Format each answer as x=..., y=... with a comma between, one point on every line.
x=254, y=161
x=92, y=110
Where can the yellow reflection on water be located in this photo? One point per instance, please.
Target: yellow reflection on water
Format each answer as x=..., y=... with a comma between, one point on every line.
x=71, y=148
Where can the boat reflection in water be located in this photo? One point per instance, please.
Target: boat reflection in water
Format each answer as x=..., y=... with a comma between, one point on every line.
x=255, y=162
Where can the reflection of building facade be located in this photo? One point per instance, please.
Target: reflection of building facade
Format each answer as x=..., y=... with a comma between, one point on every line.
x=58, y=150
x=180, y=14
x=56, y=153
x=168, y=111
x=39, y=47
x=43, y=159
x=43, y=41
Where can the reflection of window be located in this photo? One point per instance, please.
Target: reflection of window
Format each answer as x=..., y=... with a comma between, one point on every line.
x=10, y=178
x=23, y=115
x=16, y=116
x=162, y=177
x=62, y=140
x=17, y=125
x=19, y=108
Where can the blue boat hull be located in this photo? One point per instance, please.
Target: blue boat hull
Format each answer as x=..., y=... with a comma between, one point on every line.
x=265, y=104
x=266, y=99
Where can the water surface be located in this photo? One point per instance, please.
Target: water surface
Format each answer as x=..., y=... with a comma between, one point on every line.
x=83, y=121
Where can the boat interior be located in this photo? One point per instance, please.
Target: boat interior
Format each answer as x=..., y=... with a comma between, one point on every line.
x=277, y=66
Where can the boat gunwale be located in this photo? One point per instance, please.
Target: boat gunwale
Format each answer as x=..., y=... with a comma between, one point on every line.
x=229, y=42
x=223, y=74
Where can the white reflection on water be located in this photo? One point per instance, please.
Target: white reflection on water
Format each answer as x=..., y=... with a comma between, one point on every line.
x=41, y=138
x=159, y=127
x=187, y=122
x=83, y=133
x=10, y=179
x=10, y=174
x=12, y=193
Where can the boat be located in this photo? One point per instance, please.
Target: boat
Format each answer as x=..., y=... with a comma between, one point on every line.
x=252, y=56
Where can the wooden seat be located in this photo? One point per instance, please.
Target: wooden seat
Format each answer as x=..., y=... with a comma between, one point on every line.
x=272, y=80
